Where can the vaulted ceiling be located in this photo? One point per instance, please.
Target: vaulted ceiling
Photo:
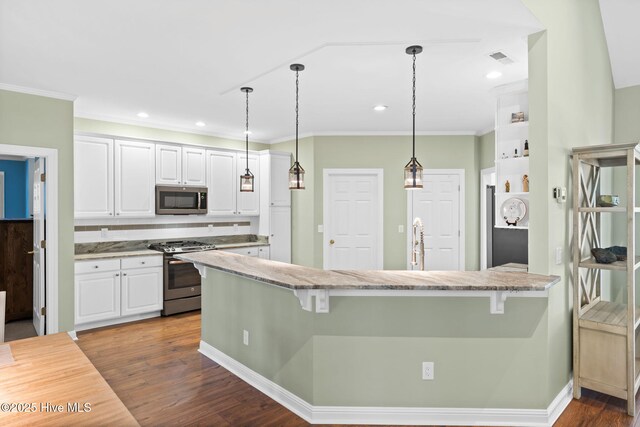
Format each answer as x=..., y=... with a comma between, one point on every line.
x=184, y=61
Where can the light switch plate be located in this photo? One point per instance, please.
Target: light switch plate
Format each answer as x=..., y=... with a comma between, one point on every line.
x=558, y=255
x=400, y=228
x=320, y=228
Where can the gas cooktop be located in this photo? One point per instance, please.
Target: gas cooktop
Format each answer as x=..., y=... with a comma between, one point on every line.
x=181, y=246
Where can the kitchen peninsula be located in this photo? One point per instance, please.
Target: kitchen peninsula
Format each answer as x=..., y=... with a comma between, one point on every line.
x=361, y=348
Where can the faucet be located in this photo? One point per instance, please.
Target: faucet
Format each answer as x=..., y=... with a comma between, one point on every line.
x=417, y=247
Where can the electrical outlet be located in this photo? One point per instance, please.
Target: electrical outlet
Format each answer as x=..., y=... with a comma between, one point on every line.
x=103, y=232
x=210, y=228
x=427, y=370
x=235, y=228
x=245, y=337
x=401, y=228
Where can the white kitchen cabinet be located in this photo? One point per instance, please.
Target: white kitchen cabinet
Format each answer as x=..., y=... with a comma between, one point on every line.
x=93, y=177
x=263, y=252
x=180, y=165
x=193, y=166
x=248, y=203
x=223, y=171
x=274, y=171
x=117, y=290
x=168, y=164
x=97, y=296
x=134, y=179
x=247, y=250
x=280, y=233
x=141, y=290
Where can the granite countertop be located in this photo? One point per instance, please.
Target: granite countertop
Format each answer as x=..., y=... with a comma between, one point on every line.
x=293, y=276
x=241, y=245
x=121, y=254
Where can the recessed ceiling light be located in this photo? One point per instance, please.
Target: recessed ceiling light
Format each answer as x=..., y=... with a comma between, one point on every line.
x=200, y=124
x=143, y=115
x=494, y=75
x=247, y=132
x=380, y=107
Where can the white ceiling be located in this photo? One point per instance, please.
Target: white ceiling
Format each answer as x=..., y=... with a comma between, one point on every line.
x=183, y=61
x=620, y=19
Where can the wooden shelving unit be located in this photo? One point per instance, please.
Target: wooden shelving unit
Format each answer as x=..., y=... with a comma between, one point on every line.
x=604, y=332
x=512, y=98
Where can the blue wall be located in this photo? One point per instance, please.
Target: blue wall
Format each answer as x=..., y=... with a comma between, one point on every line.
x=15, y=188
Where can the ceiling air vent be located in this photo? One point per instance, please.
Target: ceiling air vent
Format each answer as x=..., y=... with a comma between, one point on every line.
x=501, y=58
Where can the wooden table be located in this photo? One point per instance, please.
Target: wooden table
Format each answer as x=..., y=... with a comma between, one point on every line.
x=50, y=371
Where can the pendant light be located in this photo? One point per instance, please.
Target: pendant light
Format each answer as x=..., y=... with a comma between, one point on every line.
x=296, y=173
x=246, y=180
x=413, y=169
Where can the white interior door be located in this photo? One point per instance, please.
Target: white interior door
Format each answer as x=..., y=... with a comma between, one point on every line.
x=39, y=253
x=353, y=219
x=440, y=206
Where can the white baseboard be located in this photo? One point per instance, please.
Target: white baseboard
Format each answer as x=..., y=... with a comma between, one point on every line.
x=116, y=321
x=391, y=415
x=73, y=335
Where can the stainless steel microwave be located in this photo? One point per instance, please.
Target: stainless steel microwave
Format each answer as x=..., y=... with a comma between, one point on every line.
x=180, y=200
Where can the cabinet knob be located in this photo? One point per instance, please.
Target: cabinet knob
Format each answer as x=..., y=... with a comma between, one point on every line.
x=272, y=235
x=239, y=213
x=118, y=213
x=110, y=213
x=271, y=203
x=117, y=274
x=96, y=266
x=142, y=262
x=124, y=274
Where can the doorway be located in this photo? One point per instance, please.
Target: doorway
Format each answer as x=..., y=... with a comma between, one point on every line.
x=440, y=206
x=353, y=219
x=42, y=244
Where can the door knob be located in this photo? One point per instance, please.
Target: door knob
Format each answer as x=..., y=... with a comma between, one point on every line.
x=331, y=242
x=31, y=252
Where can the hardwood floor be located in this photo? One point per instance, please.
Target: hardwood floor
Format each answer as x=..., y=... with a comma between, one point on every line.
x=154, y=368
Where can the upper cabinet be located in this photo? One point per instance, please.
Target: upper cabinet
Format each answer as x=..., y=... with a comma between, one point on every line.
x=93, y=172
x=134, y=179
x=274, y=169
x=223, y=180
x=180, y=165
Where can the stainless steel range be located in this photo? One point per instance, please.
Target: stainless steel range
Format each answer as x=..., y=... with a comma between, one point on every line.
x=181, y=278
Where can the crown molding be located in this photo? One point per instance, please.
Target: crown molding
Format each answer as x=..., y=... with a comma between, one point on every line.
x=374, y=133
x=485, y=131
x=38, y=92
x=156, y=125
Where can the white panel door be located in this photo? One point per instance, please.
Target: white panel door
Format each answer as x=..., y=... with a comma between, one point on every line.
x=135, y=179
x=93, y=177
x=221, y=181
x=39, y=252
x=280, y=234
x=353, y=221
x=193, y=166
x=248, y=203
x=168, y=164
x=97, y=296
x=141, y=290
x=280, y=193
x=438, y=205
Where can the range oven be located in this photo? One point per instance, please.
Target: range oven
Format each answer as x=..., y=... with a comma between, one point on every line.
x=181, y=278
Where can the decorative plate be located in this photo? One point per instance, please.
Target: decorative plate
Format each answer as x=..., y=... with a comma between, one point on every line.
x=513, y=210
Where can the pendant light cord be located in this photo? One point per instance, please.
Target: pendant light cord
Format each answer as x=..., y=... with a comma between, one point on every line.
x=297, y=115
x=414, y=104
x=246, y=133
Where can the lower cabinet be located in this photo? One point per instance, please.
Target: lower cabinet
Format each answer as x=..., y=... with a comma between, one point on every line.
x=254, y=251
x=107, y=292
x=263, y=252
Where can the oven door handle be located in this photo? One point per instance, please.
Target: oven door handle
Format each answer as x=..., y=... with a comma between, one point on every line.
x=179, y=262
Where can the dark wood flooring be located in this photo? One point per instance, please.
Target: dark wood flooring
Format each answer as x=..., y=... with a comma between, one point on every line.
x=154, y=368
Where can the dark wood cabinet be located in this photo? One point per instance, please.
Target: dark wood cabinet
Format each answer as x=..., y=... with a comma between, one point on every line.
x=16, y=267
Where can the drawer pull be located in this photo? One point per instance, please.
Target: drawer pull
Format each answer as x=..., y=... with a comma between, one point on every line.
x=142, y=262
x=179, y=262
x=96, y=266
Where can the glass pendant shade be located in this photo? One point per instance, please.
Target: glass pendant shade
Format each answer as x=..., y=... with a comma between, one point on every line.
x=246, y=182
x=413, y=175
x=296, y=177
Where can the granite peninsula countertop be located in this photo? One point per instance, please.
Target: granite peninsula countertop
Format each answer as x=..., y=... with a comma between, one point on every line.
x=297, y=277
x=120, y=254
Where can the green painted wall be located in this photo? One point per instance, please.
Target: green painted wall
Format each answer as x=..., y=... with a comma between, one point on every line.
x=143, y=132
x=390, y=153
x=487, y=150
x=368, y=351
x=570, y=104
x=37, y=121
